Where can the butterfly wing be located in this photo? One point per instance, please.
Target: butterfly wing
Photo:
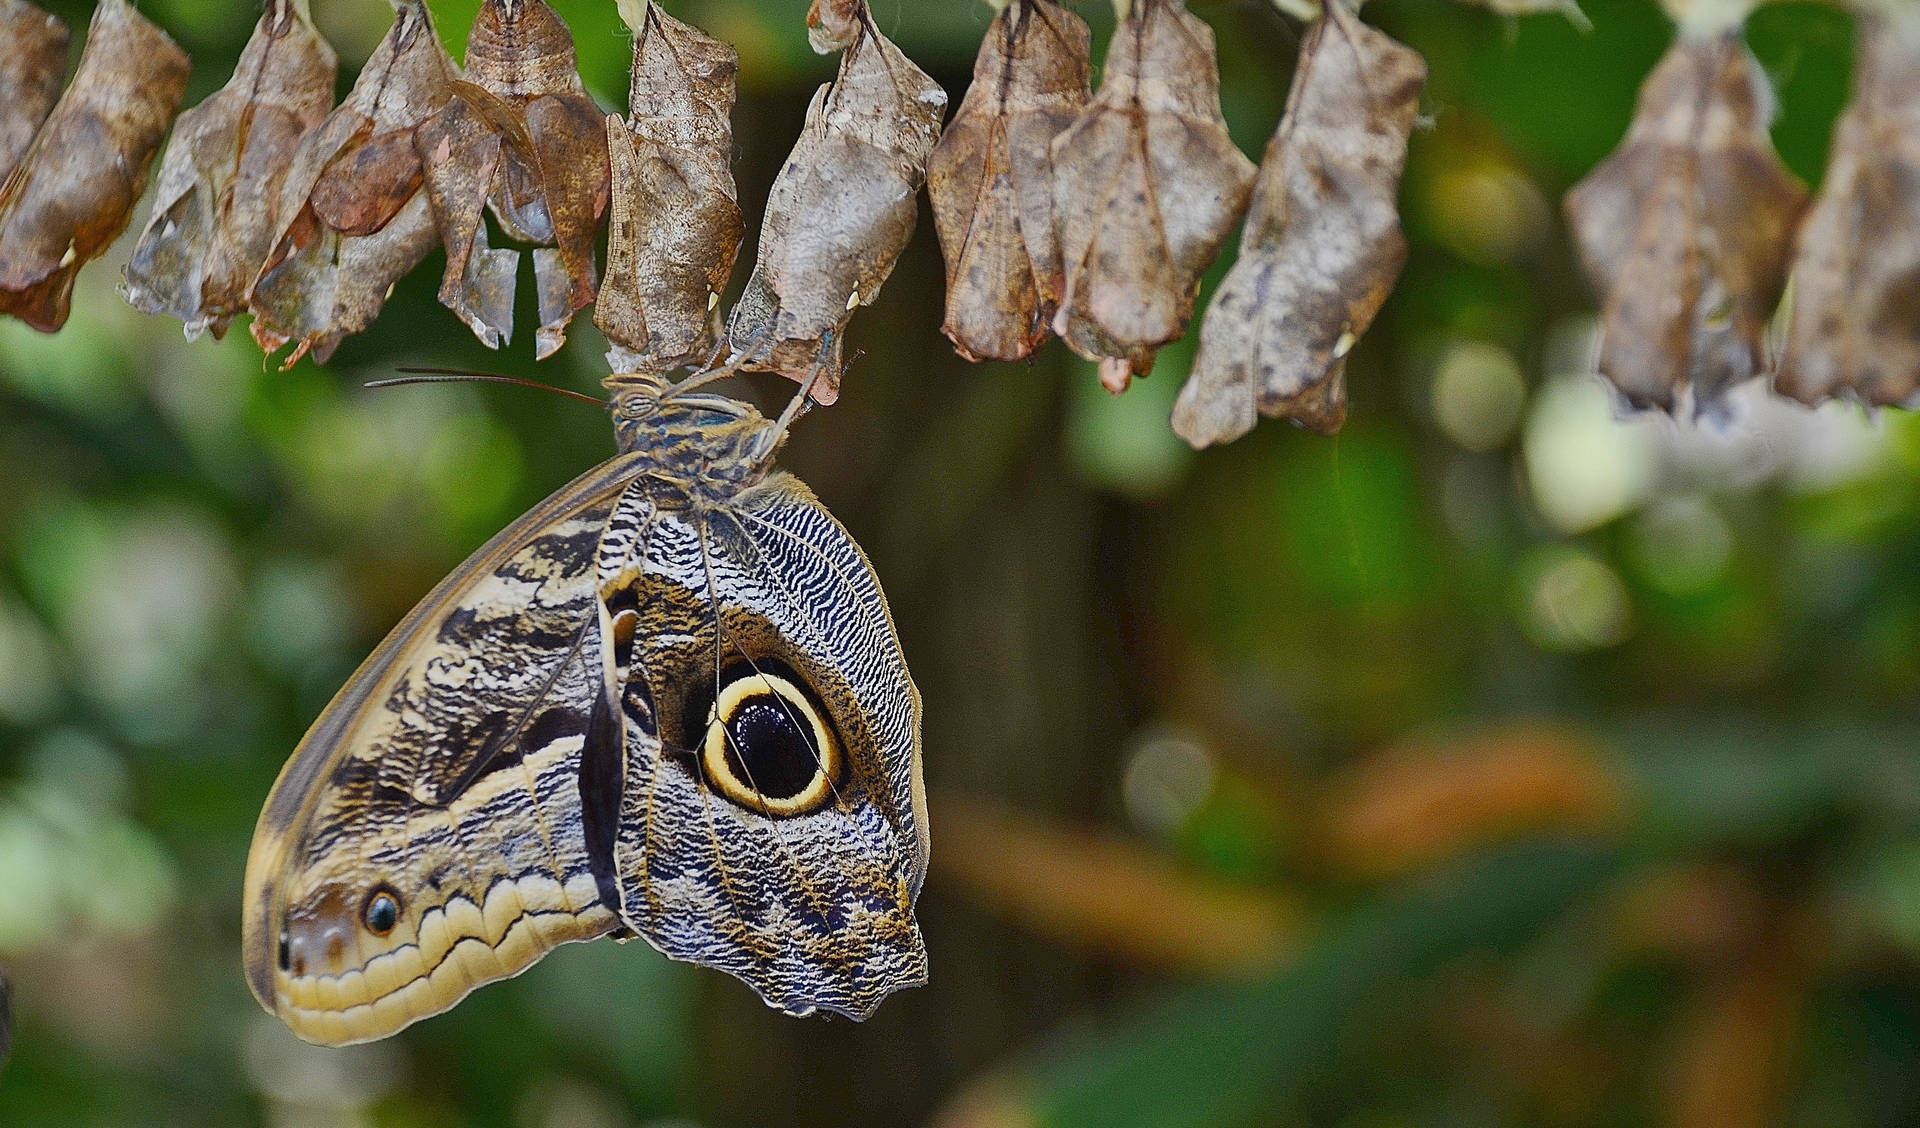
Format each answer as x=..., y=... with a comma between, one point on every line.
x=771, y=819
x=426, y=837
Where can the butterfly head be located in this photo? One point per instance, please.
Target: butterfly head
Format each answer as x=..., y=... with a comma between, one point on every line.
x=691, y=435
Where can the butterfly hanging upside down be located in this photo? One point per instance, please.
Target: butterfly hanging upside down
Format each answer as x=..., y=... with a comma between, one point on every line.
x=667, y=702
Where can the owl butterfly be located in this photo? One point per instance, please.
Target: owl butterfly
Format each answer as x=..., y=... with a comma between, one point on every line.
x=668, y=702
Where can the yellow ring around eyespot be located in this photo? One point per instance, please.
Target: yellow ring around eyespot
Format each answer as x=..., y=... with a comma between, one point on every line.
x=713, y=753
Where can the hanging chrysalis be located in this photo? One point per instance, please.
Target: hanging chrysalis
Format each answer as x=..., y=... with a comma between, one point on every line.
x=1685, y=230
x=74, y=190
x=34, y=45
x=1856, y=277
x=354, y=217
x=842, y=208
x=1147, y=186
x=216, y=209
x=519, y=138
x=676, y=225
x=1322, y=246
x=990, y=180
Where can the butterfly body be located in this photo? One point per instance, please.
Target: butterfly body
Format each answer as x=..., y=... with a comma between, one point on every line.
x=666, y=702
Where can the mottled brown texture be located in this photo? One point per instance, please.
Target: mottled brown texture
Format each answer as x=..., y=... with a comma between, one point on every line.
x=353, y=218
x=990, y=181
x=1147, y=186
x=676, y=226
x=840, y=213
x=216, y=209
x=1685, y=230
x=832, y=25
x=75, y=188
x=34, y=45
x=367, y=185
x=1322, y=246
x=521, y=139
x=1856, y=277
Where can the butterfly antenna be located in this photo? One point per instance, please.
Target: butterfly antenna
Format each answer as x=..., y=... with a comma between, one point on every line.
x=467, y=376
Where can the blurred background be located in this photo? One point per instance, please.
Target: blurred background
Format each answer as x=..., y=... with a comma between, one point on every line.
x=1497, y=762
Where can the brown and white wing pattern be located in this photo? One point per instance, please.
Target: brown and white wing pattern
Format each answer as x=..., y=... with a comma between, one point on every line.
x=771, y=819
x=427, y=835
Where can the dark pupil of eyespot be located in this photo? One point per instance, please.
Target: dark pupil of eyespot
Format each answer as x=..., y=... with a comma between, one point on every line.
x=382, y=913
x=767, y=748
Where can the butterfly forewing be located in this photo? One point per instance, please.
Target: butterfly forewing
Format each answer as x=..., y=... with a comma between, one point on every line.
x=427, y=835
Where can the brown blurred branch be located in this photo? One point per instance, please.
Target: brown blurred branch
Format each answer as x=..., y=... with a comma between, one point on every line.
x=1089, y=888
x=1736, y=1041
x=1417, y=804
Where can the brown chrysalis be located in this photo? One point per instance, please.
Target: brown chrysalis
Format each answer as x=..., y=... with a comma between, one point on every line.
x=353, y=215
x=1322, y=246
x=842, y=208
x=990, y=180
x=1685, y=230
x=1856, y=278
x=676, y=225
x=75, y=188
x=216, y=208
x=519, y=138
x=1147, y=186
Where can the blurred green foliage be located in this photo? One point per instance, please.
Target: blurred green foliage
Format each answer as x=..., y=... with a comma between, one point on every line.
x=1199, y=654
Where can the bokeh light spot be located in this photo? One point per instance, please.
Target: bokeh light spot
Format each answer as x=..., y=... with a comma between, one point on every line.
x=1168, y=774
x=1573, y=601
x=1584, y=467
x=1478, y=392
x=1681, y=544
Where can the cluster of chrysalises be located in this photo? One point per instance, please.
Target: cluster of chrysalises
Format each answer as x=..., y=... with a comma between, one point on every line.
x=1093, y=214
x=275, y=202
x=1692, y=228
x=1062, y=209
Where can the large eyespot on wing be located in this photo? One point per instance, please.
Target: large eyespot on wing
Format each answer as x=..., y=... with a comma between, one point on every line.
x=772, y=823
x=426, y=837
x=768, y=744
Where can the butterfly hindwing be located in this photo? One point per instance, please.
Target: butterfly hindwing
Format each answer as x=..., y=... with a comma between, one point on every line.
x=784, y=850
